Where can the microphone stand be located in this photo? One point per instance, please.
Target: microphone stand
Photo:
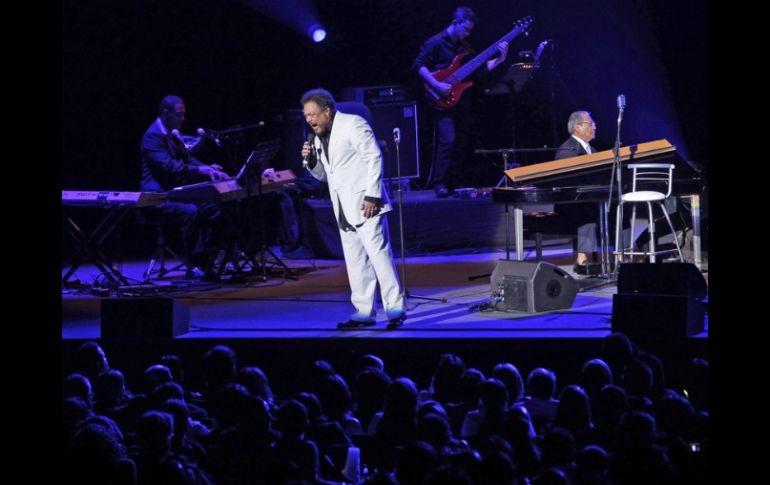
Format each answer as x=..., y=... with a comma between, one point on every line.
x=616, y=174
x=404, y=290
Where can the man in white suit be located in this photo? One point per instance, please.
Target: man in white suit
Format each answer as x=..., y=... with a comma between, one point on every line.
x=345, y=154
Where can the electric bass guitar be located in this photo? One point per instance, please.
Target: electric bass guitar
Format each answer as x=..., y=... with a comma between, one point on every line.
x=455, y=73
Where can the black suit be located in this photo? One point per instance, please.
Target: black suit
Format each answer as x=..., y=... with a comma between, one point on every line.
x=166, y=164
x=571, y=148
x=584, y=214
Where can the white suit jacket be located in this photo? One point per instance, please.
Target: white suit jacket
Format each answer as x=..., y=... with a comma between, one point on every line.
x=352, y=168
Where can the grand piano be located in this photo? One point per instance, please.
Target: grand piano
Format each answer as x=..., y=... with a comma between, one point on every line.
x=585, y=179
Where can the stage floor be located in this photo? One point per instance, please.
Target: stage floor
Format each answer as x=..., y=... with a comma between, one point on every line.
x=311, y=306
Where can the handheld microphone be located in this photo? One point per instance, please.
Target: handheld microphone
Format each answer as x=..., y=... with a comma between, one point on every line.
x=210, y=135
x=306, y=158
x=397, y=135
x=621, y=102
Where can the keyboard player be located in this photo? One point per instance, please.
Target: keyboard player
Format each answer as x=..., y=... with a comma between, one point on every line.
x=166, y=164
x=582, y=130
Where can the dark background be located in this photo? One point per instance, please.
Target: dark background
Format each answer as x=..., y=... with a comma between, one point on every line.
x=235, y=65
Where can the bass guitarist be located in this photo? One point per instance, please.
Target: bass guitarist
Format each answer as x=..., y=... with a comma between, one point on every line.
x=450, y=124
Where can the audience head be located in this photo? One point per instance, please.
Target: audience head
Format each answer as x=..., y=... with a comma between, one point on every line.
x=78, y=385
x=90, y=360
x=255, y=381
x=174, y=364
x=154, y=376
x=541, y=383
x=219, y=364
x=494, y=396
x=292, y=420
x=369, y=361
x=446, y=379
x=594, y=375
x=573, y=412
x=110, y=389
x=509, y=375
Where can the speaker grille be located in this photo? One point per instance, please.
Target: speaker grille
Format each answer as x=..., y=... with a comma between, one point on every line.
x=515, y=293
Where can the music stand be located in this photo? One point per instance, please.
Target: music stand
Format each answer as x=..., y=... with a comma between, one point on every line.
x=250, y=177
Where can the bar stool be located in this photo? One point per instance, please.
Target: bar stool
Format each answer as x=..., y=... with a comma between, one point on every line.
x=651, y=175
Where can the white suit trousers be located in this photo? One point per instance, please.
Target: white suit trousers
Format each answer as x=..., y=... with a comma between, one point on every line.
x=368, y=259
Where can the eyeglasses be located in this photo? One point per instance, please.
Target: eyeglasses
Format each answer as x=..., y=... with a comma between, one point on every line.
x=588, y=123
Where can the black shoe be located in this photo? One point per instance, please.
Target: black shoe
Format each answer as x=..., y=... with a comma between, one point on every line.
x=441, y=191
x=394, y=323
x=354, y=324
x=587, y=269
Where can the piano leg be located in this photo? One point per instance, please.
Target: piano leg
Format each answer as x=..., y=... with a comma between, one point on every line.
x=507, y=232
x=695, y=214
x=604, y=238
x=518, y=228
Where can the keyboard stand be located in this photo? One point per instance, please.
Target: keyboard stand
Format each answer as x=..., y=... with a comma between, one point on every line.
x=89, y=245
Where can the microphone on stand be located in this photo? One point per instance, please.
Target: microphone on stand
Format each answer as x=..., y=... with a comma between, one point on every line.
x=621, y=106
x=397, y=135
x=306, y=158
x=211, y=135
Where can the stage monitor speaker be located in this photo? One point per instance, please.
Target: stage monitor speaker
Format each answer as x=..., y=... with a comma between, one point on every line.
x=532, y=286
x=661, y=279
x=144, y=318
x=659, y=302
x=652, y=320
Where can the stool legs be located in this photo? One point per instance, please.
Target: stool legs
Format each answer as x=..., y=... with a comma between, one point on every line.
x=676, y=238
x=159, y=257
x=620, y=247
x=651, y=229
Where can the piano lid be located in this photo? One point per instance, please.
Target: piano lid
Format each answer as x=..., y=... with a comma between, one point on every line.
x=567, y=167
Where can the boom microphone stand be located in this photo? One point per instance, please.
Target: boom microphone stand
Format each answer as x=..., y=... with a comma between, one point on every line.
x=404, y=291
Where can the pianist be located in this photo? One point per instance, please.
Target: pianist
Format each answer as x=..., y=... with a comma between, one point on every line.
x=166, y=164
x=582, y=130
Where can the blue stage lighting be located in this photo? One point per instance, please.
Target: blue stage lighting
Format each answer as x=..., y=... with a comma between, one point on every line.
x=317, y=33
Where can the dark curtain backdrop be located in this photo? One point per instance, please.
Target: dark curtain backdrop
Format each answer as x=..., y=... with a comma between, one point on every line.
x=234, y=65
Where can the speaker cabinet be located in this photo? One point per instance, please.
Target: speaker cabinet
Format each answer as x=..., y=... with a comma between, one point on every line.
x=682, y=279
x=533, y=286
x=649, y=320
x=144, y=318
x=404, y=117
x=659, y=302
